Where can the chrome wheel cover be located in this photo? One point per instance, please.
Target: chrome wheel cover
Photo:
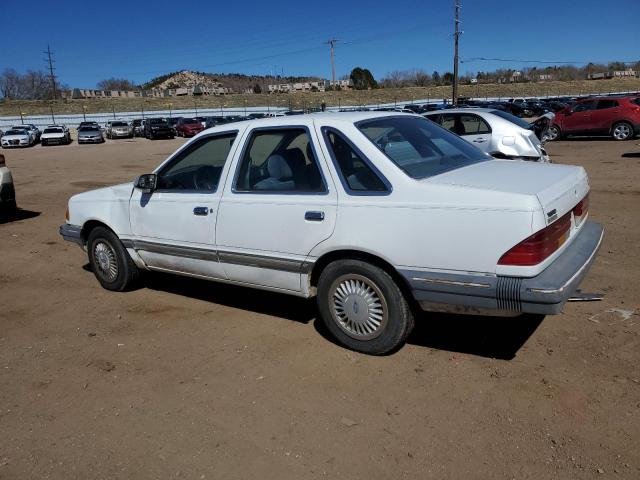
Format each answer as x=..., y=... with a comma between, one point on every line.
x=358, y=306
x=621, y=132
x=105, y=261
x=553, y=133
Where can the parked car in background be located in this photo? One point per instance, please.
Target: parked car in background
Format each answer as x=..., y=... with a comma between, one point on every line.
x=618, y=117
x=55, y=135
x=138, y=127
x=377, y=215
x=17, y=137
x=173, y=121
x=7, y=190
x=32, y=129
x=90, y=134
x=119, y=129
x=188, y=127
x=495, y=132
x=88, y=124
x=157, y=128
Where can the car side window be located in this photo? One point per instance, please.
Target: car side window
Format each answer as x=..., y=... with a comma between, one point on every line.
x=358, y=176
x=447, y=121
x=602, y=104
x=279, y=160
x=197, y=168
x=473, y=125
x=583, y=107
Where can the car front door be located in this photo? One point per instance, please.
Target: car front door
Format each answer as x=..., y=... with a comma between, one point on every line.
x=579, y=118
x=278, y=204
x=174, y=226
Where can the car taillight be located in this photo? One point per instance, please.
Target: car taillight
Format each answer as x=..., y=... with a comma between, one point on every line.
x=540, y=245
x=581, y=209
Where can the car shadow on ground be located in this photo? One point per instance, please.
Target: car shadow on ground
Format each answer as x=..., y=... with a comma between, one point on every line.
x=259, y=301
x=631, y=155
x=492, y=337
x=20, y=214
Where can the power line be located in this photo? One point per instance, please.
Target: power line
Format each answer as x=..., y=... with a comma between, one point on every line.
x=547, y=62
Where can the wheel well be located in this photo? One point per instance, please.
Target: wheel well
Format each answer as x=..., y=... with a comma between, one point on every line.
x=327, y=258
x=90, y=225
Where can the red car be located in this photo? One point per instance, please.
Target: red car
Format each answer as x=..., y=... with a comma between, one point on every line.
x=615, y=116
x=188, y=127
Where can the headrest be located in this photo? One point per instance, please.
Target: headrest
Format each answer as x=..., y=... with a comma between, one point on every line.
x=278, y=167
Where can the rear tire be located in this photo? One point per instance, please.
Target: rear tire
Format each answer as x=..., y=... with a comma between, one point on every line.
x=363, y=308
x=110, y=261
x=622, y=131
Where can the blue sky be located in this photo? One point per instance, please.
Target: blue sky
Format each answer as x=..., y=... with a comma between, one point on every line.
x=92, y=41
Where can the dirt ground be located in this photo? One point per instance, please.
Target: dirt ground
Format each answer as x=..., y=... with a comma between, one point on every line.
x=196, y=380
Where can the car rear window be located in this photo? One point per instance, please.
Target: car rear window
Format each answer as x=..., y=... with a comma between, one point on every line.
x=119, y=124
x=52, y=130
x=512, y=118
x=418, y=146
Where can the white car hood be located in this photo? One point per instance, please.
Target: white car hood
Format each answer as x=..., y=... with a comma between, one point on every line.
x=115, y=193
x=16, y=137
x=557, y=187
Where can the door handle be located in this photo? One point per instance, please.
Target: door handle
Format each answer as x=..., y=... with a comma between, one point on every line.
x=479, y=140
x=314, y=216
x=201, y=211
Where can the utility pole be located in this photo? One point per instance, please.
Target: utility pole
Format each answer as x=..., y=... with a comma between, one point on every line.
x=51, y=75
x=456, y=37
x=332, y=43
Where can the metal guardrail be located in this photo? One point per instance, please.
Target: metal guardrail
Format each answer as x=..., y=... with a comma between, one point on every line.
x=73, y=120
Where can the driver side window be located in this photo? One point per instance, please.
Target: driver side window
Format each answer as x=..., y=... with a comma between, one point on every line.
x=198, y=168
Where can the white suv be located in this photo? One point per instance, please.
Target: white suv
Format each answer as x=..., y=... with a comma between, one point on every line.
x=371, y=212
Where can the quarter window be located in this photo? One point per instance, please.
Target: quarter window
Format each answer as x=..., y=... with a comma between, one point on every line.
x=198, y=168
x=356, y=174
x=279, y=160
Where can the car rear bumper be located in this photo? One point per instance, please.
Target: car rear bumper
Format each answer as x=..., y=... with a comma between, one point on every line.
x=72, y=233
x=545, y=293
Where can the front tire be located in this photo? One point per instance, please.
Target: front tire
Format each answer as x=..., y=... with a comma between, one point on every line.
x=363, y=308
x=554, y=133
x=622, y=131
x=110, y=262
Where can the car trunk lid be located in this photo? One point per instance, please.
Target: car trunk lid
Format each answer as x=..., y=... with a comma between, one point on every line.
x=558, y=187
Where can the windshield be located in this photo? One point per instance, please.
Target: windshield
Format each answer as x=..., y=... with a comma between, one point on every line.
x=119, y=124
x=420, y=147
x=189, y=121
x=52, y=130
x=15, y=132
x=88, y=129
x=512, y=118
x=157, y=121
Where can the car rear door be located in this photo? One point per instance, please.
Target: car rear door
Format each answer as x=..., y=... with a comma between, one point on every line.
x=605, y=113
x=278, y=204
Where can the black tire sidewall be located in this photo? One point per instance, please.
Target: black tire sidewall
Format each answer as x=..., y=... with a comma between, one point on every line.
x=127, y=271
x=400, y=320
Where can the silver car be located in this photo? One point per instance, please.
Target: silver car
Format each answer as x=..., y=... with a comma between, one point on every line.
x=119, y=129
x=495, y=132
x=90, y=134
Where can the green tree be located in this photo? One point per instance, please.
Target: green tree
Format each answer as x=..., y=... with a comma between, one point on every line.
x=257, y=88
x=362, y=79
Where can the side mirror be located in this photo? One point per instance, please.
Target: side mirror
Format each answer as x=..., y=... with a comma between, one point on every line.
x=146, y=183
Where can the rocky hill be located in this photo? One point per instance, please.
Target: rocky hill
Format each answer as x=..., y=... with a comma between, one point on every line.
x=236, y=81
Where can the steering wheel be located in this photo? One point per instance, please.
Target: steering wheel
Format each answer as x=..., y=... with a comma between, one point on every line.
x=204, y=178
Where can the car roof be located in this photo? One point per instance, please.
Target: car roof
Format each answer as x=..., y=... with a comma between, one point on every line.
x=461, y=110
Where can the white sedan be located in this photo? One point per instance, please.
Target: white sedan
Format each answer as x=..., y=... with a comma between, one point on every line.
x=495, y=132
x=373, y=213
x=55, y=135
x=16, y=137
